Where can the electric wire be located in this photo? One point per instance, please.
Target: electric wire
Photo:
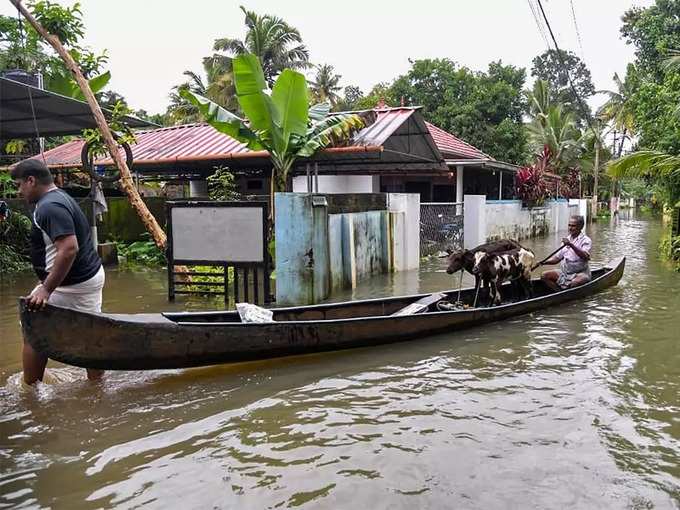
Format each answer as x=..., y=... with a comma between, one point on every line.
x=578, y=32
x=584, y=110
x=539, y=25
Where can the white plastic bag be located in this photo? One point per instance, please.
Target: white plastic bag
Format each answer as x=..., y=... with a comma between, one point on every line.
x=254, y=313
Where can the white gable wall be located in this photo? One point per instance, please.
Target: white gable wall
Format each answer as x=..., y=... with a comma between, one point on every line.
x=339, y=184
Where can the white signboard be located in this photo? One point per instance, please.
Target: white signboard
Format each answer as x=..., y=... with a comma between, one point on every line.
x=205, y=233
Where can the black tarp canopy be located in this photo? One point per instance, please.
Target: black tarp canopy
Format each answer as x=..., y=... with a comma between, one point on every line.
x=55, y=115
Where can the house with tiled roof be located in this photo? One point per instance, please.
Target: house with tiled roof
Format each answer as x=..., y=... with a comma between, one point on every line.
x=399, y=152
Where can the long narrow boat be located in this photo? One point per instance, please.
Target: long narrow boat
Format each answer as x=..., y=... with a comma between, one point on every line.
x=177, y=340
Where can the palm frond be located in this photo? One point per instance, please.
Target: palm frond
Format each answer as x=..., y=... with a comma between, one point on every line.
x=672, y=63
x=233, y=46
x=645, y=163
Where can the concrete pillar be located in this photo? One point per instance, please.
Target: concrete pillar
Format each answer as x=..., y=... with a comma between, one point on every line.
x=409, y=204
x=500, y=185
x=375, y=184
x=474, y=222
x=302, y=258
x=198, y=189
x=459, y=188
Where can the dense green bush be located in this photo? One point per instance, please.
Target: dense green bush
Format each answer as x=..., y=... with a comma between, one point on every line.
x=15, y=243
x=143, y=252
x=670, y=249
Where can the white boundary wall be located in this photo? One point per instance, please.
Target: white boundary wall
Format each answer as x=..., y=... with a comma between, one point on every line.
x=582, y=205
x=507, y=219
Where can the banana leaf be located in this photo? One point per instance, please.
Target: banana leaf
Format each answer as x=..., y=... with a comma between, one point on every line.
x=223, y=120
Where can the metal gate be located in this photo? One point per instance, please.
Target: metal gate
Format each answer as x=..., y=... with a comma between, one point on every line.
x=441, y=227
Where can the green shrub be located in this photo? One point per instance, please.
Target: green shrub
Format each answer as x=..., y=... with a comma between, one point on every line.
x=143, y=252
x=15, y=243
x=7, y=187
x=11, y=261
x=670, y=249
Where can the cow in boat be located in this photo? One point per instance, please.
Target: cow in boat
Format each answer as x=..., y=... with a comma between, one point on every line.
x=465, y=259
x=496, y=268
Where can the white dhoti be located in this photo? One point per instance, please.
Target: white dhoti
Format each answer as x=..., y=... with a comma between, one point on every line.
x=84, y=296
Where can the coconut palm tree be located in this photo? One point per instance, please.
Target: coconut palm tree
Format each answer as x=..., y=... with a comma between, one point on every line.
x=181, y=111
x=325, y=86
x=618, y=110
x=558, y=129
x=273, y=41
x=538, y=98
x=218, y=86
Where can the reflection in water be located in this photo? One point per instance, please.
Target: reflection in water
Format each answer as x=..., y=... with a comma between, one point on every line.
x=575, y=406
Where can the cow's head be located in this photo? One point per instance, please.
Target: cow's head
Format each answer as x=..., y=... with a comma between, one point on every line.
x=455, y=261
x=481, y=262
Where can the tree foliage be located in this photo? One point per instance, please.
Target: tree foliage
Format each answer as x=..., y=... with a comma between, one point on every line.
x=276, y=44
x=655, y=105
x=548, y=67
x=350, y=99
x=483, y=108
x=380, y=93
x=654, y=31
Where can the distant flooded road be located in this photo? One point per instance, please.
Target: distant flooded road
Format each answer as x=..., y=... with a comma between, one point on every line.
x=573, y=407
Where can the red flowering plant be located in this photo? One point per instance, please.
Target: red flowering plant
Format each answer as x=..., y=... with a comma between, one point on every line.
x=570, y=187
x=530, y=181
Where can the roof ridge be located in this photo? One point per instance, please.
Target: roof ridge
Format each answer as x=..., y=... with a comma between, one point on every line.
x=176, y=126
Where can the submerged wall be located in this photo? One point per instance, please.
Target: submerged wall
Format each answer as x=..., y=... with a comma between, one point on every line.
x=327, y=242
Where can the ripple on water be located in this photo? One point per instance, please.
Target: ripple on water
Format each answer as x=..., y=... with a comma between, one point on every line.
x=578, y=405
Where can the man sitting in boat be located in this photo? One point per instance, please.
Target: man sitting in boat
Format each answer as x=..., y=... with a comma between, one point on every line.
x=573, y=259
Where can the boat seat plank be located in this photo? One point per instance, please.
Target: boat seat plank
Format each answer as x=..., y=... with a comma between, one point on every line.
x=420, y=306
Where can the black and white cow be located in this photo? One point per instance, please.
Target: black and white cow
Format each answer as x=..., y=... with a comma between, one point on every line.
x=465, y=260
x=496, y=268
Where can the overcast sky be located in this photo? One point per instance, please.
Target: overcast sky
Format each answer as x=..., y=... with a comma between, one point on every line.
x=151, y=42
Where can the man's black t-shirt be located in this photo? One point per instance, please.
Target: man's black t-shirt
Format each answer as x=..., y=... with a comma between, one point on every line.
x=56, y=215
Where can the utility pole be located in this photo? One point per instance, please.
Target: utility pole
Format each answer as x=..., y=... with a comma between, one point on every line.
x=596, y=170
x=126, y=181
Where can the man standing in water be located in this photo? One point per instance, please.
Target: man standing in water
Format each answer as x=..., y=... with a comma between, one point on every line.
x=63, y=256
x=573, y=259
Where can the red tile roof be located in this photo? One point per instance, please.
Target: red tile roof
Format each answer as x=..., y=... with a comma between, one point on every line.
x=452, y=147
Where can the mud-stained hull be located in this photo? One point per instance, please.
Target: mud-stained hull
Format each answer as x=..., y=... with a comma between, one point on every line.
x=180, y=340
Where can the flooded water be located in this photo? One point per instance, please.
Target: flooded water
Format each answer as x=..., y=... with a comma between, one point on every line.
x=575, y=407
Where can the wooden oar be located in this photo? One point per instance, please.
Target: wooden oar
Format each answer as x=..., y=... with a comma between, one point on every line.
x=542, y=261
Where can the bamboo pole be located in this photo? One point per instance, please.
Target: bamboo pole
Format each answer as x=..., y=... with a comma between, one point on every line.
x=126, y=181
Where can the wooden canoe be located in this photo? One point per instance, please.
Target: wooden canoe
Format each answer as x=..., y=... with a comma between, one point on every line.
x=178, y=340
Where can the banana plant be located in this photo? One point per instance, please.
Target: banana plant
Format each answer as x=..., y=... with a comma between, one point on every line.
x=281, y=121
